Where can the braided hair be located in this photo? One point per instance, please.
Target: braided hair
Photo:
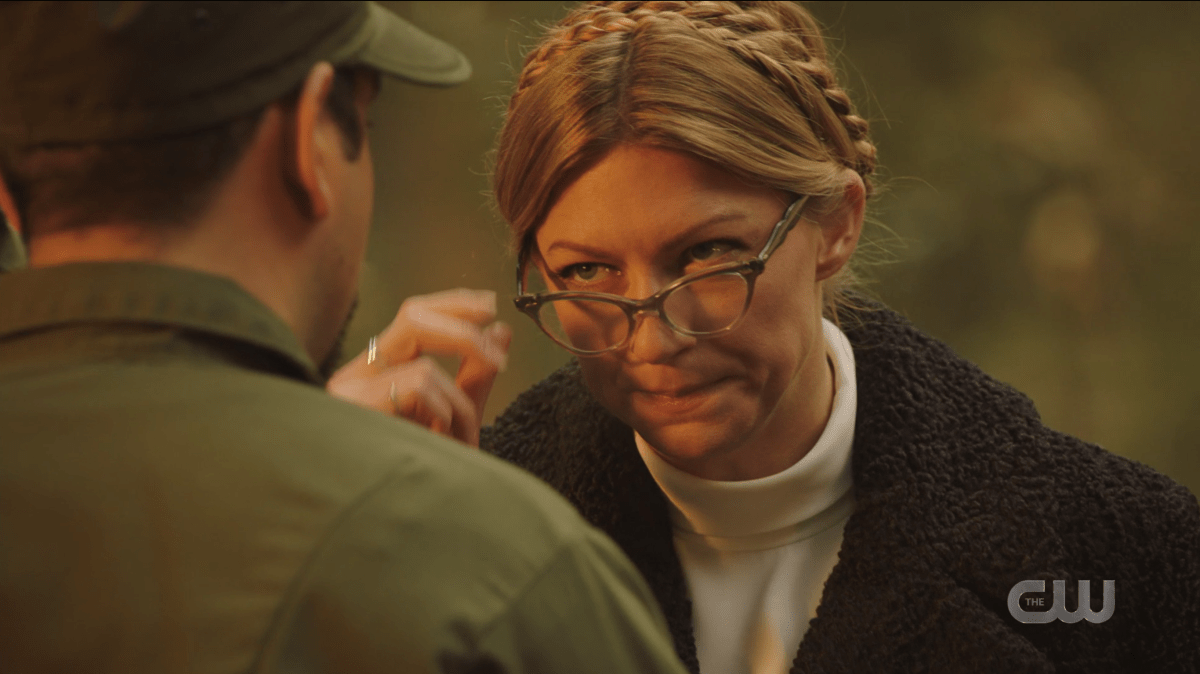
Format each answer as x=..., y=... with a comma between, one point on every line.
x=747, y=86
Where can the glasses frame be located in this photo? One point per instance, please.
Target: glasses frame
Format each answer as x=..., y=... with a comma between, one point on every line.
x=531, y=304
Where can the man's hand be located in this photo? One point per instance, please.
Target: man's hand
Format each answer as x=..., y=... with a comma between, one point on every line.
x=404, y=381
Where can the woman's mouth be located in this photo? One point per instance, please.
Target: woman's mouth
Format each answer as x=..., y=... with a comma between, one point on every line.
x=677, y=390
x=678, y=398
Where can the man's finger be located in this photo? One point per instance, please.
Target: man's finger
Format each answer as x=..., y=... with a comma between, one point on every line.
x=425, y=394
x=415, y=397
x=418, y=331
x=477, y=307
x=476, y=376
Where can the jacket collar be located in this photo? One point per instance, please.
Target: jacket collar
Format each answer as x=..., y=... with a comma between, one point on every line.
x=148, y=294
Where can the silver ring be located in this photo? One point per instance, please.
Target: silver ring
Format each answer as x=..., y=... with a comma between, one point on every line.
x=372, y=351
x=392, y=397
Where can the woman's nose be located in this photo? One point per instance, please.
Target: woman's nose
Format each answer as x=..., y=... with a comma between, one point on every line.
x=653, y=341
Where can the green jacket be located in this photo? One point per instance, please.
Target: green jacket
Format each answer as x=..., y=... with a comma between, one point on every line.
x=177, y=493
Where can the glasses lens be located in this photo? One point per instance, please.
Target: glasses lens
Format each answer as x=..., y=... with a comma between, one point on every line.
x=709, y=304
x=585, y=325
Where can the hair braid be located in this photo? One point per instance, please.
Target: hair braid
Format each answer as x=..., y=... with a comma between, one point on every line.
x=778, y=39
x=582, y=25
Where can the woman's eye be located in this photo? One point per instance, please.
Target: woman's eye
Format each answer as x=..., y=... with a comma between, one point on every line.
x=584, y=272
x=709, y=250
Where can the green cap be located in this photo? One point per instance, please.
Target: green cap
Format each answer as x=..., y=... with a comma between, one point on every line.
x=75, y=72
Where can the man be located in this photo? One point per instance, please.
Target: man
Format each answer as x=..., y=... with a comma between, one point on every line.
x=177, y=492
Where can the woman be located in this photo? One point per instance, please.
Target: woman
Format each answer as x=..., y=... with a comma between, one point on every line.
x=805, y=479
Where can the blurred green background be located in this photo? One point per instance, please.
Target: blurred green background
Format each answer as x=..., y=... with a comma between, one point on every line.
x=1038, y=211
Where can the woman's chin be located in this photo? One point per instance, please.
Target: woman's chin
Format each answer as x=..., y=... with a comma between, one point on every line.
x=691, y=445
x=686, y=430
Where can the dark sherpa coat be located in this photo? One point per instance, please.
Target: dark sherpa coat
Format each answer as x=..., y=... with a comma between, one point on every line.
x=961, y=493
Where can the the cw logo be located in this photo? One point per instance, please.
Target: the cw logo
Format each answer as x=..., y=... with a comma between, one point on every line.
x=1058, y=610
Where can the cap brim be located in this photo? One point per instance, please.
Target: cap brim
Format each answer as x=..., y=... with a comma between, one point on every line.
x=395, y=47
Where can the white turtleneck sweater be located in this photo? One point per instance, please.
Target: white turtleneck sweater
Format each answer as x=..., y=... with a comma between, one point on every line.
x=756, y=553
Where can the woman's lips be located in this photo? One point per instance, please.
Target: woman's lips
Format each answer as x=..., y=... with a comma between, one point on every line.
x=679, y=396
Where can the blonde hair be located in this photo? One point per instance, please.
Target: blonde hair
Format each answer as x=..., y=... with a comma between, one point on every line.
x=747, y=86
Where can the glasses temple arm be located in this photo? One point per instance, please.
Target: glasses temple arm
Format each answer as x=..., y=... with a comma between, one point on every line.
x=790, y=217
x=522, y=260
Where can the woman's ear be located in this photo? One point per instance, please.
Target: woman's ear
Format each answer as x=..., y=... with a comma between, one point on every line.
x=841, y=226
x=306, y=147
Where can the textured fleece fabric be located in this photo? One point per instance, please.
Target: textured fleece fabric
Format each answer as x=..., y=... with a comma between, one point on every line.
x=961, y=493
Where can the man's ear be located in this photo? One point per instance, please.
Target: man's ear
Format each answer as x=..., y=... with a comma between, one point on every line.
x=8, y=207
x=306, y=148
x=841, y=227
x=12, y=250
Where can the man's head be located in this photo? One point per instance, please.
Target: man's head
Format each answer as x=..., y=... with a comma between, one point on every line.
x=228, y=137
x=163, y=184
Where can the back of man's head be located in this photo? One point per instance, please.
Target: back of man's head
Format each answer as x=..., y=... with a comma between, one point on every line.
x=136, y=111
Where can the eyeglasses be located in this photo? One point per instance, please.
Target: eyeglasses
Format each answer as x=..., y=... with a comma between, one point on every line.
x=702, y=304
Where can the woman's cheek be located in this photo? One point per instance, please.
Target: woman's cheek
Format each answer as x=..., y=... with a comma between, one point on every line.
x=602, y=378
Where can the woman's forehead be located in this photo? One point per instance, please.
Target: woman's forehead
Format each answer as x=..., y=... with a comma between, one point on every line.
x=592, y=236
x=650, y=197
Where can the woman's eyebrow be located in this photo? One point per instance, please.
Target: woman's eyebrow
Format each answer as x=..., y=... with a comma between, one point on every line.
x=576, y=247
x=711, y=221
x=689, y=232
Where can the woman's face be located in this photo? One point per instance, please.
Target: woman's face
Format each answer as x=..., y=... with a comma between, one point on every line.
x=735, y=406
